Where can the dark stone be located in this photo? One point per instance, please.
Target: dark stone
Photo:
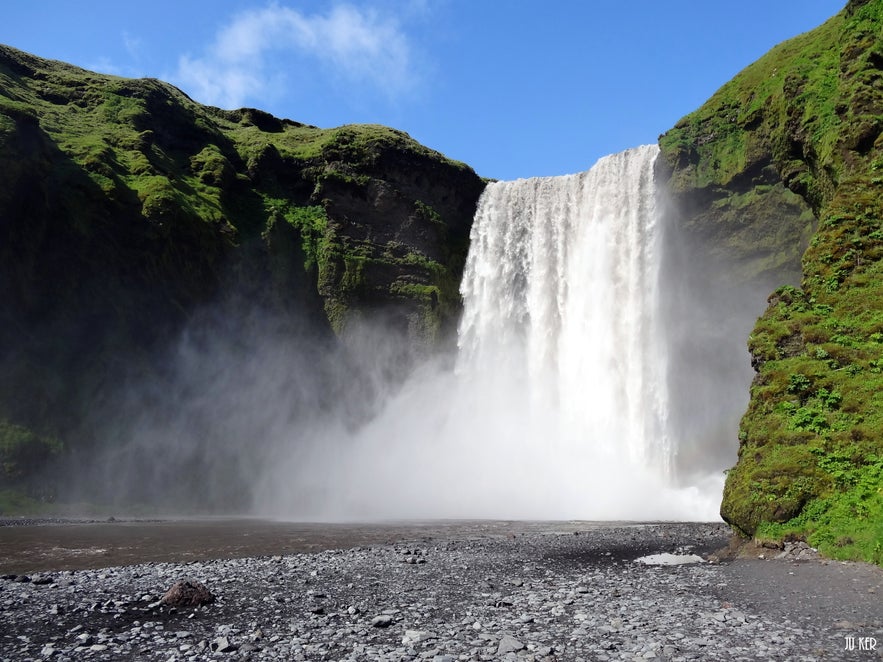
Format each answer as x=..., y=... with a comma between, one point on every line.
x=187, y=593
x=382, y=621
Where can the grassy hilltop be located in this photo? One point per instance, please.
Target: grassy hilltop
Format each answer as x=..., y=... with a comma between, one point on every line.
x=126, y=208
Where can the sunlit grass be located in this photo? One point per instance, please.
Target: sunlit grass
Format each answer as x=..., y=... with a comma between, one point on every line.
x=811, y=441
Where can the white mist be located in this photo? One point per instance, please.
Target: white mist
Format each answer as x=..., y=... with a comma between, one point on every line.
x=558, y=406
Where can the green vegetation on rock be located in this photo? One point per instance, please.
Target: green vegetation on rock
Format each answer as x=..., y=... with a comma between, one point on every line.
x=807, y=119
x=23, y=453
x=126, y=207
x=21, y=449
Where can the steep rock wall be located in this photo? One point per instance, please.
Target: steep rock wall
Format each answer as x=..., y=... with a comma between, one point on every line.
x=800, y=130
x=127, y=208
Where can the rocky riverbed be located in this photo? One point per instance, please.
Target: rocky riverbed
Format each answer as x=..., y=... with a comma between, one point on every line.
x=537, y=594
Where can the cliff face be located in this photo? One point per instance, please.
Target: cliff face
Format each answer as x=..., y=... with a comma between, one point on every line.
x=126, y=208
x=787, y=156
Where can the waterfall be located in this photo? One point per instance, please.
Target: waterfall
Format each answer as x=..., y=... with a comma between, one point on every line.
x=561, y=295
x=557, y=407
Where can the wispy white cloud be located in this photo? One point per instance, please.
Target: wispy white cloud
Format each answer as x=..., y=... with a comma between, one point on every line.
x=133, y=45
x=129, y=68
x=105, y=65
x=359, y=47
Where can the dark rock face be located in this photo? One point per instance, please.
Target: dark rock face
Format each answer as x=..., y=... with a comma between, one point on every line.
x=128, y=210
x=400, y=225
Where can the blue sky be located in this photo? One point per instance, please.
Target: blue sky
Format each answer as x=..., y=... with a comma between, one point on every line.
x=514, y=88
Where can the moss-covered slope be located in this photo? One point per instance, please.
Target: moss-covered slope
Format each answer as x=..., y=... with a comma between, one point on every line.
x=125, y=206
x=805, y=120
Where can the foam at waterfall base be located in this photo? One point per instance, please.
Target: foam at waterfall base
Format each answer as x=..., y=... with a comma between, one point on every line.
x=558, y=405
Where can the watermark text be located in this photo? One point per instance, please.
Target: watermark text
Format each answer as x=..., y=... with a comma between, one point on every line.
x=861, y=644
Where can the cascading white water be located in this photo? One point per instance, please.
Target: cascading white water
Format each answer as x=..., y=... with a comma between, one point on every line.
x=560, y=294
x=557, y=408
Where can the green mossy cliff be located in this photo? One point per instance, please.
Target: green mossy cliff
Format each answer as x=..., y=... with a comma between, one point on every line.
x=802, y=129
x=125, y=207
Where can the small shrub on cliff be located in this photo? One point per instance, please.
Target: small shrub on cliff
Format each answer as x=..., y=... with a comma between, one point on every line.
x=799, y=384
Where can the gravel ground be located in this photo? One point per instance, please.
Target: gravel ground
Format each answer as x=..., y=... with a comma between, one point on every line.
x=534, y=595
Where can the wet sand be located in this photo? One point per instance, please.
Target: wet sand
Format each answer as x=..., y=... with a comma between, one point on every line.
x=42, y=545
